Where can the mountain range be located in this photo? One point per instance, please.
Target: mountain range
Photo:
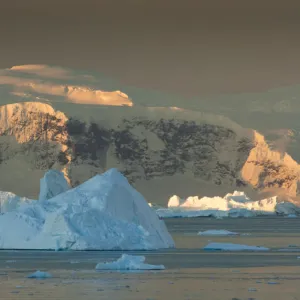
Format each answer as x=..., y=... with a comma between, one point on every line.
x=84, y=123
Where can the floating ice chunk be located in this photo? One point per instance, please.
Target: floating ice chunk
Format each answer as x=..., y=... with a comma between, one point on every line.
x=128, y=262
x=288, y=250
x=291, y=216
x=74, y=262
x=217, y=232
x=273, y=282
x=233, y=247
x=40, y=275
x=52, y=184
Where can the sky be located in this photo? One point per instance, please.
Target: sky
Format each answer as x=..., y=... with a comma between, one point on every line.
x=191, y=48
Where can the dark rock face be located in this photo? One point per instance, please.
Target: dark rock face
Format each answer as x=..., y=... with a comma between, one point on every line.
x=185, y=146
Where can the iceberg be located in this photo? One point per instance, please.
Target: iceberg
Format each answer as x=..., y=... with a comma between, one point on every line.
x=52, y=184
x=217, y=233
x=291, y=216
x=233, y=247
x=232, y=205
x=40, y=275
x=103, y=213
x=128, y=262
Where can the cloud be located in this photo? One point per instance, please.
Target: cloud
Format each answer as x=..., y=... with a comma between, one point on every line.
x=70, y=92
x=43, y=71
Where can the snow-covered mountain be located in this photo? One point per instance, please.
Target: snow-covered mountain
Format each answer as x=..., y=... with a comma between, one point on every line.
x=161, y=150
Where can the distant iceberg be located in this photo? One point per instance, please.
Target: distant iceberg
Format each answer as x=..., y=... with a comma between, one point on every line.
x=39, y=275
x=103, y=213
x=232, y=205
x=233, y=247
x=214, y=232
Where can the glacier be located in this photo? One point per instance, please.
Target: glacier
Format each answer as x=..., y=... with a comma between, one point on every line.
x=237, y=204
x=103, y=213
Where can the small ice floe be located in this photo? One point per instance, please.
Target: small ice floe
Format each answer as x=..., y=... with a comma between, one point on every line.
x=291, y=216
x=40, y=275
x=74, y=262
x=273, y=282
x=291, y=248
x=233, y=247
x=128, y=262
x=217, y=233
x=288, y=250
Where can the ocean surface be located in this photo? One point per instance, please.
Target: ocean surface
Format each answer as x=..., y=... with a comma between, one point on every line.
x=191, y=273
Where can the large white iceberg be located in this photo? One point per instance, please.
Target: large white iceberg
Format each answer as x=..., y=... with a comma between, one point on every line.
x=103, y=213
x=231, y=205
x=52, y=184
x=129, y=262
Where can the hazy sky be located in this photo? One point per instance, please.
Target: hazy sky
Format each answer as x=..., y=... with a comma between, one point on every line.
x=190, y=47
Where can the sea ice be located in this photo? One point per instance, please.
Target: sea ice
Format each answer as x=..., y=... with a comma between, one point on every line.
x=128, y=262
x=233, y=247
